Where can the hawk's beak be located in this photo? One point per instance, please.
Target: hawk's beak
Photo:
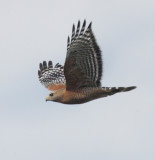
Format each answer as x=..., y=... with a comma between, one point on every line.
x=47, y=98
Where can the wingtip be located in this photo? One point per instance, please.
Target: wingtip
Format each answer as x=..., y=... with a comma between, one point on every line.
x=50, y=64
x=78, y=23
x=84, y=22
x=40, y=66
x=39, y=73
x=90, y=25
x=73, y=28
x=68, y=40
x=44, y=64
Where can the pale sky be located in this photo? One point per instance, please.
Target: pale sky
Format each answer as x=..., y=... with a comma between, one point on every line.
x=119, y=127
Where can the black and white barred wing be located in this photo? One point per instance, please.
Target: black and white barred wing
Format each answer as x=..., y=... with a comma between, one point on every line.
x=52, y=77
x=83, y=66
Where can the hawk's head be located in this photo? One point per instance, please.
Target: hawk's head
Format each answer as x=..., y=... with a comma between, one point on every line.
x=56, y=96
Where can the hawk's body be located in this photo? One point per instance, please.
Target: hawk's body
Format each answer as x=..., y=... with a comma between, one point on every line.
x=79, y=81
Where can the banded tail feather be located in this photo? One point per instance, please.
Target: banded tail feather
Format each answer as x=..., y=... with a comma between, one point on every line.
x=112, y=90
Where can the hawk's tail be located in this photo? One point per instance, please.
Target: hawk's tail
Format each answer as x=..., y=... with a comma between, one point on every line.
x=112, y=90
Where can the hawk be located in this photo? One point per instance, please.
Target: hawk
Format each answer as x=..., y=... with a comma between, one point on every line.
x=79, y=81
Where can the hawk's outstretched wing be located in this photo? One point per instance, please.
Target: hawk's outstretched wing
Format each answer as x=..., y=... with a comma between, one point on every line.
x=83, y=66
x=52, y=77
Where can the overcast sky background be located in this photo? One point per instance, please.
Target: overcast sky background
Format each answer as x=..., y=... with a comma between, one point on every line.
x=120, y=127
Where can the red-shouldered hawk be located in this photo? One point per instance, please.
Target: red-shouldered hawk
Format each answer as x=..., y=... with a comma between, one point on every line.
x=79, y=81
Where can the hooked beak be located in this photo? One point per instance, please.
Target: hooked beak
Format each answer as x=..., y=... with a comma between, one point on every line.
x=47, y=98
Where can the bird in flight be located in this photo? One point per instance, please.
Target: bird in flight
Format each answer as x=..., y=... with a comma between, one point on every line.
x=79, y=81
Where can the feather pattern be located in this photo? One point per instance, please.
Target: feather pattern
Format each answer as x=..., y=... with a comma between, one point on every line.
x=49, y=75
x=86, y=55
x=79, y=81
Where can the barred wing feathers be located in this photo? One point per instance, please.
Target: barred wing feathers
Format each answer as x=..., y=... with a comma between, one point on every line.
x=52, y=77
x=83, y=66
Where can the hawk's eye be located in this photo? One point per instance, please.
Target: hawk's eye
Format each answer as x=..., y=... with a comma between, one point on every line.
x=51, y=94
